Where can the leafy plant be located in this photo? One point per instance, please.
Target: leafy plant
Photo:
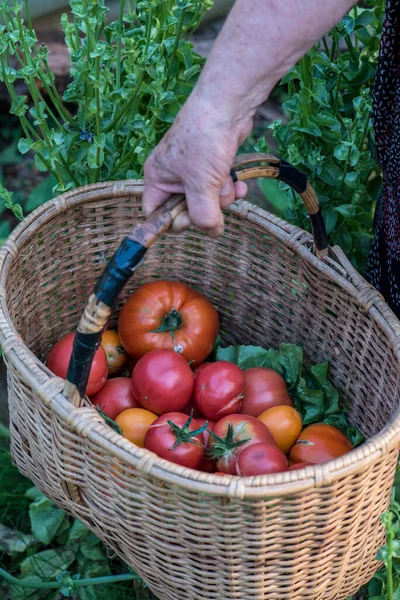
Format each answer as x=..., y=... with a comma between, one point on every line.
x=329, y=132
x=385, y=585
x=313, y=395
x=129, y=79
x=42, y=547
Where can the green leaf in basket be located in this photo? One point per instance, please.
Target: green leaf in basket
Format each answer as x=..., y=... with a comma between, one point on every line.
x=316, y=399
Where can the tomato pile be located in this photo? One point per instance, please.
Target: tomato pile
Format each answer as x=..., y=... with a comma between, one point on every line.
x=158, y=382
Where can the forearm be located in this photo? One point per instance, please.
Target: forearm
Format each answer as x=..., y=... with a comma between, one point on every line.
x=260, y=41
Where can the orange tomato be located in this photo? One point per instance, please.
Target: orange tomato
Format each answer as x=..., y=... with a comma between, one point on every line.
x=319, y=443
x=116, y=355
x=134, y=424
x=285, y=424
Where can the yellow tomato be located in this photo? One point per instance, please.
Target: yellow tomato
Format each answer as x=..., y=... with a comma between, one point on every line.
x=134, y=424
x=285, y=424
x=116, y=355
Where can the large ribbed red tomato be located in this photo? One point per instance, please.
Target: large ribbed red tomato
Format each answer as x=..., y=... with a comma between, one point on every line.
x=59, y=358
x=168, y=315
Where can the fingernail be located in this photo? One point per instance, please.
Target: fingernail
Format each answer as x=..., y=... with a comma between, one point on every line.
x=227, y=189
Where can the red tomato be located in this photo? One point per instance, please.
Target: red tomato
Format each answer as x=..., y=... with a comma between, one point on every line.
x=218, y=389
x=297, y=466
x=60, y=355
x=171, y=437
x=207, y=465
x=168, y=315
x=261, y=459
x=231, y=435
x=115, y=397
x=220, y=473
x=199, y=369
x=264, y=389
x=162, y=381
x=319, y=443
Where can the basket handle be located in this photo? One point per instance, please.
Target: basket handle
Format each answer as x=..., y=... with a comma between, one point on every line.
x=247, y=166
x=132, y=249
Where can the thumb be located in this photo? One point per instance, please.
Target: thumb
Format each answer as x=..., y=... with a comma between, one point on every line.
x=152, y=198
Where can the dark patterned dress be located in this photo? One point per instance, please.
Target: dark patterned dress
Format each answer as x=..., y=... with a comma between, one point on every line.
x=383, y=268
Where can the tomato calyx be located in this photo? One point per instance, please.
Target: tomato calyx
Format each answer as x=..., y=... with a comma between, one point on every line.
x=183, y=434
x=171, y=322
x=226, y=445
x=109, y=421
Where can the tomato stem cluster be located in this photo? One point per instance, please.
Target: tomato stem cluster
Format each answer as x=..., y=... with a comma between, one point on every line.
x=223, y=446
x=172, y=320
x=183, y=434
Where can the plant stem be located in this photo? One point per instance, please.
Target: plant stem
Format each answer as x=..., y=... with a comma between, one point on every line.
x=148, y=31
x=351, y=48
x=306, y=82
x=335, y=103
x=128, y=104
x=28, y=17
x=119, y=43
x=53, y=585
x=175, y=47
x=325, y=45
x=333, y=47
x=152, y=125
x=389, y=565
x=97, y=96
x=355, y=14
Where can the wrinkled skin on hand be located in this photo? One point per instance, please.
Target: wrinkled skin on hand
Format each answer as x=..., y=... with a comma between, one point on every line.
x=195, y=158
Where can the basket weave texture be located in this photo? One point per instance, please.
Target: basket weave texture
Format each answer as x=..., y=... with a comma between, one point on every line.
x=310, y=534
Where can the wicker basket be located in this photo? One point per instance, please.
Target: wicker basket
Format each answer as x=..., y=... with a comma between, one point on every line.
x=303, y=534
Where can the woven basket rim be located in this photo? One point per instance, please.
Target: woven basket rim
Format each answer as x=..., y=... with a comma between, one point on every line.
x=87, y=422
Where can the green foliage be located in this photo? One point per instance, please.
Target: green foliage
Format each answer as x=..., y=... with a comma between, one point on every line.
x=385, y=585
x=40, y=543
x=313, y=395
x=329, y=133
x=129, y=79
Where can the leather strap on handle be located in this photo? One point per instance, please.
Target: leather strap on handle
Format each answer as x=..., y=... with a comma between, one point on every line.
x=247, y=166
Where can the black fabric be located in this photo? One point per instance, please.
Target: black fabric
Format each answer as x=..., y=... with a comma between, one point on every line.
x=383, y=267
